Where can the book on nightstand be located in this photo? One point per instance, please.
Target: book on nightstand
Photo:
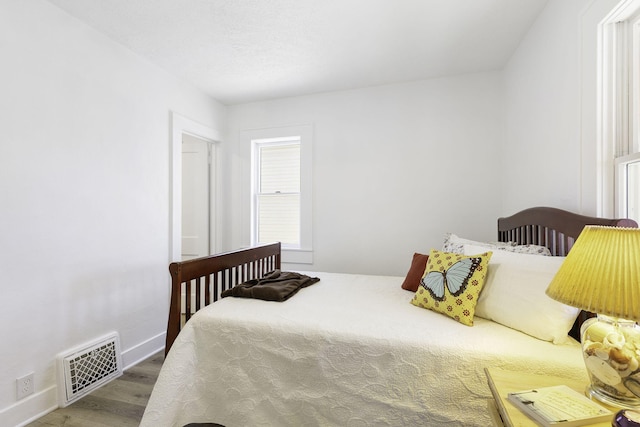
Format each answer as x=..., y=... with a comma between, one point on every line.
x=559, y=406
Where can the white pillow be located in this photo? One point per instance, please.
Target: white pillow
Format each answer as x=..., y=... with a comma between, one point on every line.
x=514, y=295
x=455, y=244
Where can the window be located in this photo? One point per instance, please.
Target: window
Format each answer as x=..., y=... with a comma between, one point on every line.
x=620, y=120
x=277, y=191
x=280, y=201
x=627, y=163
x=628, y=186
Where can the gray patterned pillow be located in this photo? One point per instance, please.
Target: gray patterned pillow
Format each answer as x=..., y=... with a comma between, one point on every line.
x=455, y=244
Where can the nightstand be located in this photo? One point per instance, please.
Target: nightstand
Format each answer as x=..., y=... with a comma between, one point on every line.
x=502, y=382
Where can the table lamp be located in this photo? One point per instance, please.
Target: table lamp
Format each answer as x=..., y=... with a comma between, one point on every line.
x=601, y=274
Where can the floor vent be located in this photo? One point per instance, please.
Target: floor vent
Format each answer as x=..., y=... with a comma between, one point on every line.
x=88, y=367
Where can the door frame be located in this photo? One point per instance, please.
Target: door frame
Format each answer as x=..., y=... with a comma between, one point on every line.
x=182, y=125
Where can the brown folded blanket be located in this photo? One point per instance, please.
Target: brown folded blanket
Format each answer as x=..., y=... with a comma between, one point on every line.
x=275, y=286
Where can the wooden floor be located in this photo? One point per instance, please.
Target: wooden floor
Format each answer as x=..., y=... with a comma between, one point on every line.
x=119, y=403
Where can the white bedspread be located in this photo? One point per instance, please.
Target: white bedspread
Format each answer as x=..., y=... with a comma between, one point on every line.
x=348, y=351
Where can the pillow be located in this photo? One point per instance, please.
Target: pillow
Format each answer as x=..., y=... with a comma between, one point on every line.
x=455, y=244
x=458, y=294
x=418, y=264
x=514, y=295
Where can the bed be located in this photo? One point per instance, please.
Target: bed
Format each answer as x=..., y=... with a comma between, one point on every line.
x=356, y=350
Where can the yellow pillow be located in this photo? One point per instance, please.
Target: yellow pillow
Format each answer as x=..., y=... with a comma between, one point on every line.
x=451, y=284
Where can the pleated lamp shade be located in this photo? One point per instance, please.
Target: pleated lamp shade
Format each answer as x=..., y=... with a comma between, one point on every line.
x=601, y=273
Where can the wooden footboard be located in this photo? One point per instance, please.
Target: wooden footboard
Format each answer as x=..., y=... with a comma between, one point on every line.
x=555, y=229
x=199, y=282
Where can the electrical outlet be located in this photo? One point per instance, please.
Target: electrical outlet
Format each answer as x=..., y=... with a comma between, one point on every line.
x=24, y=386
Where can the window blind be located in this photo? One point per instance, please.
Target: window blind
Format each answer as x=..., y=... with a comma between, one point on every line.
x=278, y=193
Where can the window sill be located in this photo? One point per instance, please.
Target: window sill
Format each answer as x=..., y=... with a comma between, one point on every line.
x=297, y=256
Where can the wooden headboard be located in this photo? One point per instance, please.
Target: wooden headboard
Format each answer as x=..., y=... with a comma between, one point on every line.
x=556, y=229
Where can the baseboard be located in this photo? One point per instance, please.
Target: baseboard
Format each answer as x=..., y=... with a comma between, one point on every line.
x=142, y=351
x=41, y=403
x=31, y=408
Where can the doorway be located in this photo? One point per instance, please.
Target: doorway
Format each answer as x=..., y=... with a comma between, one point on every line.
x=198, y=194
x=183, y=127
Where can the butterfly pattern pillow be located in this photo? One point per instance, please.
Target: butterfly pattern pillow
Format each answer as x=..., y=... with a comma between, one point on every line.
x=452, y=283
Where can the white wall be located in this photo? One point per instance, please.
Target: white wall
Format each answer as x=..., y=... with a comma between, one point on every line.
x=596, y=192
x=394, y=168
x=552, y=113
x=84, y=190
x=542, y=149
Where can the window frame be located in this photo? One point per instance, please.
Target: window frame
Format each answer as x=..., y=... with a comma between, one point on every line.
x=256, y=147
x=622, y=197
x=619, y=81
x=304, y=253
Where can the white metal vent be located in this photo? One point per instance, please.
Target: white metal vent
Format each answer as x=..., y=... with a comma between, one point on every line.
x=88, y=367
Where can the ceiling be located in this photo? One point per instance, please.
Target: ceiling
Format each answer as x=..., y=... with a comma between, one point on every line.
x=241, y=51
